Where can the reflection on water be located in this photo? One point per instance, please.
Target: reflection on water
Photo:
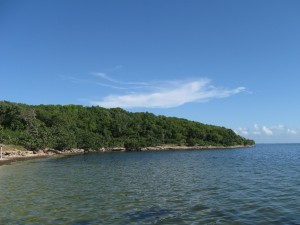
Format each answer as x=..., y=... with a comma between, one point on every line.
x=242, y=186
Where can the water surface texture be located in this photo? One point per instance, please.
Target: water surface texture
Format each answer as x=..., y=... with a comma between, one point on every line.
x=260, y=185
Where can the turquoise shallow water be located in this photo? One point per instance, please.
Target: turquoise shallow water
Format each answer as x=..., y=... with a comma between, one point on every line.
x=260, y=185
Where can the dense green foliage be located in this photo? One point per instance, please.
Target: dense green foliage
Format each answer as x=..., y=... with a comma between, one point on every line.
x=72, y=126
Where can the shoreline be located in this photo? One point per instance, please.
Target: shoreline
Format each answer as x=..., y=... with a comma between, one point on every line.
x=156, y=148
x=12, y=156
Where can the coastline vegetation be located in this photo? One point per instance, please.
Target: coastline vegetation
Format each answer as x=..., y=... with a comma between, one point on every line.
x=65, y=127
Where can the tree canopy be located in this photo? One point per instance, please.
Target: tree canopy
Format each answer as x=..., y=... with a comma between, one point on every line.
x=74, y=126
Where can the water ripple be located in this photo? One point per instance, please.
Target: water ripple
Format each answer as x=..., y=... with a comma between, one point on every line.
x=245, y=186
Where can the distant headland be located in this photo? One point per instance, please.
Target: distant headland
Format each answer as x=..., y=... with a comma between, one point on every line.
x=54, y=129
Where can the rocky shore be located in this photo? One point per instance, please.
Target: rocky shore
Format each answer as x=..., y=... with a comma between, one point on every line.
x=192, y=147
x=9, y=156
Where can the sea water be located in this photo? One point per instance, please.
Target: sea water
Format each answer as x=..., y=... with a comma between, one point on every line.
x=259, y=185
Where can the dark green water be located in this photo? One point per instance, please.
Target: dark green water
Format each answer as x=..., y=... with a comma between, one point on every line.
x=260, y=185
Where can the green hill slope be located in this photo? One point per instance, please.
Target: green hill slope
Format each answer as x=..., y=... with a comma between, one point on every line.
x=72, y=126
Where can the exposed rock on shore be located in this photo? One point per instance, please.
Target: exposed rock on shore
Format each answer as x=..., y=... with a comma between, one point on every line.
x=18, y=155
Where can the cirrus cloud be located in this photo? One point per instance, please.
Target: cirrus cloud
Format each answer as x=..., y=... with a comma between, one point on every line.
x=166, y=94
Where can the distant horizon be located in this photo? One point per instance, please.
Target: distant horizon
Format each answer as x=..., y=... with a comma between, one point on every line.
x=227, y=63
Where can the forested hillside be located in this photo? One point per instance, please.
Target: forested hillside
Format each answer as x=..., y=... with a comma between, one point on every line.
x=73, y=126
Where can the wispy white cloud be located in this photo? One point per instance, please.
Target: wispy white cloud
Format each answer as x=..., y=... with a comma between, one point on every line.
x=118, y=82
x=112, y=86
x=108, y=82
x=75, y=79
x=154, y=94
x=105, y=77
x=166, y=94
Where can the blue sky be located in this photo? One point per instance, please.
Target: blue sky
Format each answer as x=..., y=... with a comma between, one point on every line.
x=229, y=63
